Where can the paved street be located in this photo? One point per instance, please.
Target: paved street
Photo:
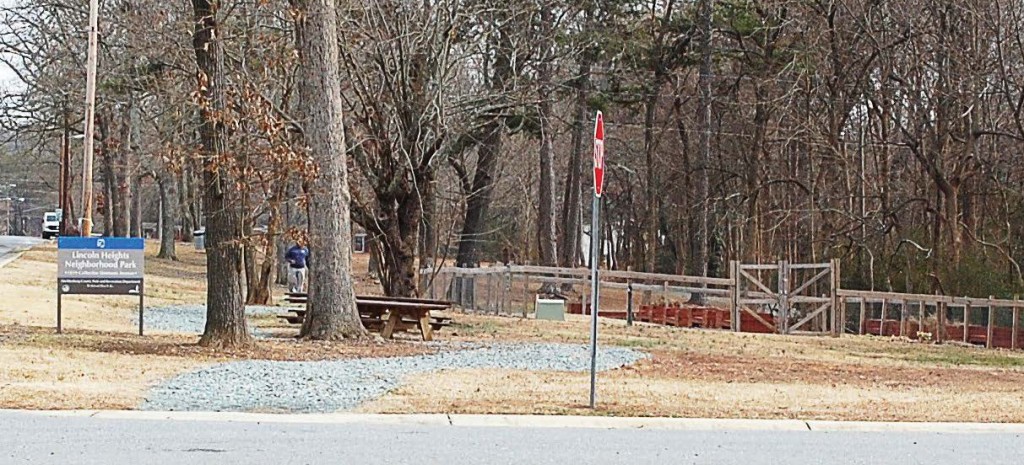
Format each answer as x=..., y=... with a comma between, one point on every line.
x=42, y=439
x=10, y=245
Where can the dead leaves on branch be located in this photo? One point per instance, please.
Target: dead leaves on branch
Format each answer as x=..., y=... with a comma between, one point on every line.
x=262, y=151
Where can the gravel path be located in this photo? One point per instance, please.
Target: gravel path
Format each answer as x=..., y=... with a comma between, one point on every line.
x=191, y=318
x=329, y=386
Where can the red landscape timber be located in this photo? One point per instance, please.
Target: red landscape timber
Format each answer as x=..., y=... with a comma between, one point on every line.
x=752, y=325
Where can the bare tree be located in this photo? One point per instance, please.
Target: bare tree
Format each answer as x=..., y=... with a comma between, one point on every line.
x=546, y=235
x=332, y=302
x=225, y=312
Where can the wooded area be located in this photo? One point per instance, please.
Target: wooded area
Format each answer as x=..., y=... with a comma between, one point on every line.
x=883, y=134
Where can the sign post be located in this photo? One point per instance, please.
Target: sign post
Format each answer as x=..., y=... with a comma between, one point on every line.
x=595, y=251
x=100, y=266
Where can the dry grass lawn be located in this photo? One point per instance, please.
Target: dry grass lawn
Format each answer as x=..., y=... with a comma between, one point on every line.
x=101, y=363
x=724, y=375
x=29, y=289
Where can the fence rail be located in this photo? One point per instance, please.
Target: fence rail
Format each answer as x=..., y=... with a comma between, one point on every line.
x=993, y=323
x=782, y=298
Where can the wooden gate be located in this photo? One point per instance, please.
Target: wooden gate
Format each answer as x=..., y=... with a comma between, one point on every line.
x=786, y=298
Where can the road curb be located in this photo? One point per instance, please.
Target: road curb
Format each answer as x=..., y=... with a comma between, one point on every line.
x=542, y=421
x=14, y=256
x=882, y=427
x=657, y=423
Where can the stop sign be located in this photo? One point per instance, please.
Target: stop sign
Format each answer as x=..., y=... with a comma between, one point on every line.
x=599, y=154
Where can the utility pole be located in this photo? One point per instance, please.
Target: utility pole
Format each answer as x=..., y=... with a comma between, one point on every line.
x=90, y=116
x=65, y=175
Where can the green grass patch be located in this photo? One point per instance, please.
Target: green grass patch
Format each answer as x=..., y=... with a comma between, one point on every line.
x=966, y=357
x=638, y=342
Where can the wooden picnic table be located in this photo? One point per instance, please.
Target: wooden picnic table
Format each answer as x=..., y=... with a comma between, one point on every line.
x=402, y=312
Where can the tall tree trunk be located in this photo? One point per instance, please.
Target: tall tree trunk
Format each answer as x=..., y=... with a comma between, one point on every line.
x=753, y=181
x=249, y=256
x=288, y=222
x=546, y=235
x=108, y=193
x=332, y=303
x=188, y=222
x=373, y=248
x=195, y=196
x=569, y=246
x=474, y=227
x=428, y=226
x=399, y=232
x=119, y=203
x=225, y=313
x=699, y=256
x=261, y=291
x=168, y=207
x=478, y=200
x=653, y=188
x=135, y=227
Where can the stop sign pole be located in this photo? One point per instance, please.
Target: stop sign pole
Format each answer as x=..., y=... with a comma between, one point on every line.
x=595, y=250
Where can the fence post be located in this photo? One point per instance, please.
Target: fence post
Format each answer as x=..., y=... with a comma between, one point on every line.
x=1016, y=324
x=734, y=294
x=526, y=294
x=863, y=326
x=967, y=321
x=881, y=324
x=991, y=322
x=838, y=307
x=455, y=289
x=490, y=285
x=783, y=297
x=629, y=302
x=940, y=331
x=506, y=291
x=585, y=298
x=920, y=318
x=903, y=318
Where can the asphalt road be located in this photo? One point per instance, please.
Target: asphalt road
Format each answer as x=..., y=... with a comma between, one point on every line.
x=11, y=245
x=42, y=439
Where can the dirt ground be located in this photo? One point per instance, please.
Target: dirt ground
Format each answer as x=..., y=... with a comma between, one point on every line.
x=101, y=363
x=693, y=373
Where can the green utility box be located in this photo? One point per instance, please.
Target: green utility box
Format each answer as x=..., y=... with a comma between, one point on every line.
x=550, y=309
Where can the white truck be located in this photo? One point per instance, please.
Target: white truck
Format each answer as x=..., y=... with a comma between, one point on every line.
x=51, y=225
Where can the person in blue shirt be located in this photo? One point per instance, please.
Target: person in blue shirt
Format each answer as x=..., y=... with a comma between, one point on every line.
x=297, y=258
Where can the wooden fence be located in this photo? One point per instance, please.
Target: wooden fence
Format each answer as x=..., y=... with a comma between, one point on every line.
x=511, y=289
x=939, y=318
x=779, y=298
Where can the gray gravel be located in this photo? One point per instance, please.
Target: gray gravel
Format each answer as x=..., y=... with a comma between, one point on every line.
x=192, y=318
x=328, y=386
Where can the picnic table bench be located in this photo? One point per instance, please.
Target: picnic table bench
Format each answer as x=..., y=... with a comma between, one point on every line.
x=402, y=313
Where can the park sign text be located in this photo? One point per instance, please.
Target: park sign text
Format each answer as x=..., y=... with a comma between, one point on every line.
x=100, y=265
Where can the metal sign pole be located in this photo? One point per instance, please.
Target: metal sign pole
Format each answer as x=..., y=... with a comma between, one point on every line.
x=59, y=295
x=141, y=303
x=100, y=266
x=595, y=259
x=595, y=251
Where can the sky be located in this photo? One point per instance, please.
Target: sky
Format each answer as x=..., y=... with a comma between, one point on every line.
x=7, y=77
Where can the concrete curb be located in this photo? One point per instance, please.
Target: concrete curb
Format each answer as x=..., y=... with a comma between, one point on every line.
x=680, y=424
x=542, y=421
x=882, y=427
x=11, y=258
